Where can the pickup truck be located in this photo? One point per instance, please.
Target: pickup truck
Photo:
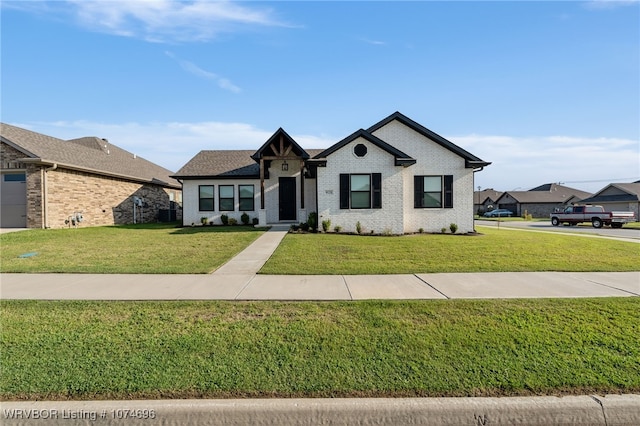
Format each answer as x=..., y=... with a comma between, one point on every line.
x=574, y=215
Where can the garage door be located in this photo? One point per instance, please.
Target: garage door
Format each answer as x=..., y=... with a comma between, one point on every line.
x=13, y=200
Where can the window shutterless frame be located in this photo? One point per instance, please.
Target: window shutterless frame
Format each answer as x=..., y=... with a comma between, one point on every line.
x=246, y=195
x=226, y=201
x=205, y=198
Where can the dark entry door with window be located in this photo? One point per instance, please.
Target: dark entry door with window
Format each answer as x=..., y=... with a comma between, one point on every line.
x=287, y=198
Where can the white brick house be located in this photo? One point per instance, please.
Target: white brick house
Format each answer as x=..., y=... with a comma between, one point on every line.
x=395, y=177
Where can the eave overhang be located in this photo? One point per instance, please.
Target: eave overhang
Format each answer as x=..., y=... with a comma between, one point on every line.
x=49, y=163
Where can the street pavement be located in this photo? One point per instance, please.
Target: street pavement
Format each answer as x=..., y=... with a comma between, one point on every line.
x=239, y=280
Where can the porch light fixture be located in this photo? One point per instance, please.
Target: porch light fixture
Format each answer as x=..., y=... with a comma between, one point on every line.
x=285, y=166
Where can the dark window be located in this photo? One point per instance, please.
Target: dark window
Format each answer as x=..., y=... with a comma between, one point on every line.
x=361, y=191
x=226, y=201
x=205, y=198
x=15, y=177
x=360, y=150
x=246, y=195
x=433, y=191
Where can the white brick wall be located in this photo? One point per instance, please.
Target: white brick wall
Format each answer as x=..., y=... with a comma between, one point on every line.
x=271, y=215
x=386, y=219
x=397, y=214
x=432, y=159
x=190, y=204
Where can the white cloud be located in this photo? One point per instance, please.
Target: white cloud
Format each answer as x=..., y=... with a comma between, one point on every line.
x=526, y=162
x=192, y=68
x=171, y=144
x=159, y=21
x=609, y=4
x=519, y=163
x=374, y=42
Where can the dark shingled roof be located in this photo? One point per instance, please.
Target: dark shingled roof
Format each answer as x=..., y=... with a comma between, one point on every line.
x=548, y=193
x=89, y=154
x=617, y=192
x=224, y=164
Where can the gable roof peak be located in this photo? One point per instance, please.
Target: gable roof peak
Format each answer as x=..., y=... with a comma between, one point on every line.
x=280, y=144
x=471, y=160
x=401, y=158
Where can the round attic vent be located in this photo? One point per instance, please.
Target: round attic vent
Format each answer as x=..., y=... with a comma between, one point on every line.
x=360, y=150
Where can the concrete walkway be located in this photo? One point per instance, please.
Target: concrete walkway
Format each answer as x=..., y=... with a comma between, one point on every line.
x=238, y=280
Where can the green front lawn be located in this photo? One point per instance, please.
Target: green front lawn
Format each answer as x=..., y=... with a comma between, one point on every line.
x=494, y=251
x=130, y=350
x=144, y=249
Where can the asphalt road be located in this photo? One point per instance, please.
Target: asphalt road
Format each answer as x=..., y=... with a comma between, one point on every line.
x=605, y=231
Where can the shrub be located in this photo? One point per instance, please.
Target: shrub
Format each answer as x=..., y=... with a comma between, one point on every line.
x=204, y=220
x=326, y=225
x=225, y=219
x=304, y=226
x=312, y=220
x=421, y=230
x=387, y=232
x=443, y=230
x=453, y=227
x=245, y=218
x=255, y=221
x=338, y=228
x=233, y=221
x=358, y=227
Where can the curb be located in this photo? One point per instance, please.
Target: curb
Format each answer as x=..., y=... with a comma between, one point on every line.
x=582, y=410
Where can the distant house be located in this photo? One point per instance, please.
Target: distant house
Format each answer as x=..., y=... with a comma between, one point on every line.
x=395, y=177
x=485, y=200
x=540, y=201
x=51, y=183
x=618, y=196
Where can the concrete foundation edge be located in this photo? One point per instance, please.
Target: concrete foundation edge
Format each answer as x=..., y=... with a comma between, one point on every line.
x=609, y=410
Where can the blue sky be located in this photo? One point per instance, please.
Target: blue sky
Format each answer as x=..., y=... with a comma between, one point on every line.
x=546, y=91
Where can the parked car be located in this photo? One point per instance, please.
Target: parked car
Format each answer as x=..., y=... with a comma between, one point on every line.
x=499, y=213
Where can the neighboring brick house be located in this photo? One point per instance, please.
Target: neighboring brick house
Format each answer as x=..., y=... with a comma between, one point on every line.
x=485, y=200
x=541, y=200
x=395, y=177
x=47, y=182
x=618, y=196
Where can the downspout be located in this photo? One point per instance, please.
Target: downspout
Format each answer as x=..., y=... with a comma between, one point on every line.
x=473, y=189
x=45, y=218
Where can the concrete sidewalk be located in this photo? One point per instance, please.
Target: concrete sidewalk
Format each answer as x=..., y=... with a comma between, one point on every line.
x=238, y=280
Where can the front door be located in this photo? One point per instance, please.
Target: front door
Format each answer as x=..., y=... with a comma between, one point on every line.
x=287, y=198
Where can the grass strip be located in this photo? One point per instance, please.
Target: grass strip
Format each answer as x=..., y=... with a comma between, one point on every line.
x=494, y=251
x=56, y=350
x=132, y=249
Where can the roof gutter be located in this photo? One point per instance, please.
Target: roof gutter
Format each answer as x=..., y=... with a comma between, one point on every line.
x=43, y=162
